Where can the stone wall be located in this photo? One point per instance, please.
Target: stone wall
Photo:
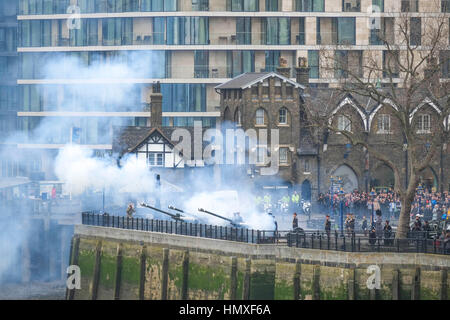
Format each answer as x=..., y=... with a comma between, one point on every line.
x=131, y=264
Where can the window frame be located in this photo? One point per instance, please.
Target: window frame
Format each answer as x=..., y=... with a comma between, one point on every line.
x=258, y=117
x=381, y=124
x=348, y=122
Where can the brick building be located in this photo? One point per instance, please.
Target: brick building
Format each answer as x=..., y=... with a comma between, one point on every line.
x=307, y=161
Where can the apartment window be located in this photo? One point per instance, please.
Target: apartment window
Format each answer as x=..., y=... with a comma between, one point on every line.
x=300, y=39
x=336, y=31
x=375, y=37
x=289, y=92
x=445, y=5
x=410, y=5
x=117, y=31
x=243, y=5
x=344, y=123
x=8, y=39
x=272, y=60
x=201, y=64
x=271, y=5
x=390, y=64
x=200, y=5
x=277, y=31
x=348, y=63
x=351, y=5
x=282, y=116
x=239, y=62
x=244, y=30
x=444, y=60
x=181, y=97
x=183, y=30
x=313, y=64
x=260, y=117
x=379, y=4
x=155, y=159
x=384, y=123
x=424, y=123
x=416, y=32
x=310, y=5
x=283, y=155
x=87, y=35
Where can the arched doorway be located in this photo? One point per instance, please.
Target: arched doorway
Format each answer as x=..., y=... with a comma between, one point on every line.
x=348, y=176
x=383, y=176
x=306, y=190
x=428, y=179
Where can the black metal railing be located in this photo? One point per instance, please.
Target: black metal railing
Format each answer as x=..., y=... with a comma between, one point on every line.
x=419, y=242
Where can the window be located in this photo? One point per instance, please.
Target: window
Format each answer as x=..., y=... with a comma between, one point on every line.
x=313, y=64
x=200, y=5
x=289, y=92
x=182, y=30
x=445, y=5
x=410, y=5
x=243, y=5
x=260, y=117
x=277, y=30
x=307, y=166
x=348, y=63
x=272, y=59
x=310, y=5
x=390, y=64
x=344, y=123
x=201, y=64
x=336, y=31
x=424, y=123
x=416, y=32
x=243, y=31
x=261, y=155
x=351, y=5
x=155, y=159
x=238, y=117
x=181, y=97
x=384, y=123
x=282, y=116
x=283, y=155
x=239, y=62
x=271, y=5
x=255, y=92
x=300, y=38
x=379, y=4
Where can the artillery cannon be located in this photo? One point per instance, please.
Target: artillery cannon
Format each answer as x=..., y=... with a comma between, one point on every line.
x=176, y=217
x=236, y=224
x=189, y=216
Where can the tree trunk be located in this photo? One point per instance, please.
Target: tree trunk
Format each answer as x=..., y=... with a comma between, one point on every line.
x=403, y=221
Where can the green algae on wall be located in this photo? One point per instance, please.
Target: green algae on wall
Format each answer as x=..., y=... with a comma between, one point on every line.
x=284, y=281
x=175, y=279
x=262, y=280
x=86, y=262
x=333, y=283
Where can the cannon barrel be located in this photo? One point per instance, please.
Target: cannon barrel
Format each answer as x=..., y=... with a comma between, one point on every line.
x=176, y=209
x=189, y=215
x=173, y=216
x=219, y=216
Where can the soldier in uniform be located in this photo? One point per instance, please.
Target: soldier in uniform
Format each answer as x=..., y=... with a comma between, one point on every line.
x=130, y=210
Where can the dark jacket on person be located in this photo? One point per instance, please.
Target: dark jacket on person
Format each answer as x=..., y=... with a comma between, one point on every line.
x=327, y=225
x=295, y=223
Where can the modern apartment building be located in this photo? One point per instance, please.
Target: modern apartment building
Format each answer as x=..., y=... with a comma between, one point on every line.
x=191, y=46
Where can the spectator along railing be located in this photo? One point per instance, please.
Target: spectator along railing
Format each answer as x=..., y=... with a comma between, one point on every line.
x=350, y=242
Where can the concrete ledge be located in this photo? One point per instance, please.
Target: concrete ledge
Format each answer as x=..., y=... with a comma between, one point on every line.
x=308, y=256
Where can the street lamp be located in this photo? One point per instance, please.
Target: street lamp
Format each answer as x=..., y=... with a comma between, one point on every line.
x=341, y=210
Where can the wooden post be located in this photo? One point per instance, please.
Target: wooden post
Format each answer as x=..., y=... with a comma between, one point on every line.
x=165, y=274
x=95, y=281
x=233, y=279
x=395, y=285
x=74, y=261
x=415, y=290
x=142, y=274
x=443, y=293
x=316, y=283
x=351, y=284
x=246, y=290
x=296, y=280
x=118, y=272
x=184, y=288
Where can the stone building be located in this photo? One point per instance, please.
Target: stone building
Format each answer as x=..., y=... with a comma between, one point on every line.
x=308, y=161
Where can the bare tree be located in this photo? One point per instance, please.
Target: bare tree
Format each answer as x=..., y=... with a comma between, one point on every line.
x=406, y=76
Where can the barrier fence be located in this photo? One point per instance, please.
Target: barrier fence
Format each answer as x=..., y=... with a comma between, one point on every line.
x=419, y=242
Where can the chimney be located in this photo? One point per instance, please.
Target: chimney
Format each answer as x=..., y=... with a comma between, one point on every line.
x=283, y=69
x=156, y=106
x=302, y=72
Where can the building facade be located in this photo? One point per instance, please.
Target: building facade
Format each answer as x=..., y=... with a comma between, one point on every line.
x=310, y=159
x=190, y=46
